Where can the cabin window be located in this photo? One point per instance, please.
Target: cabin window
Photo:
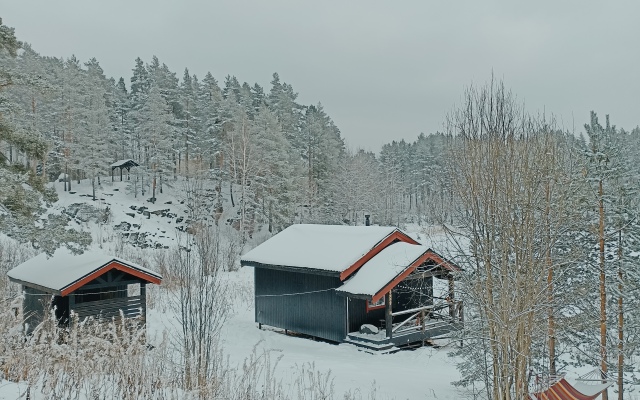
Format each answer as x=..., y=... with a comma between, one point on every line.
x=375, y=305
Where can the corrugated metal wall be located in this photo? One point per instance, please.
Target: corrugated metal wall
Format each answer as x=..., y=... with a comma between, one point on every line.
x=280, y=304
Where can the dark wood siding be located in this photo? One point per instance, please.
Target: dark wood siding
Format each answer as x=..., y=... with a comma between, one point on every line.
x=359, y=316
x=279, y=303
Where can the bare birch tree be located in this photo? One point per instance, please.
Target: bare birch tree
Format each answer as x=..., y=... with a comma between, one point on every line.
x=504, y=178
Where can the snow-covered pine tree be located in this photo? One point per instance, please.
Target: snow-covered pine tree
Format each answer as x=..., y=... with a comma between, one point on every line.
x=155, y=128
x=120, y=121
x=140, y=85
x=323, y=146
x=277, y=183
x=281, y=100
x=22, y=195
x=94, y=148
x=600, y=173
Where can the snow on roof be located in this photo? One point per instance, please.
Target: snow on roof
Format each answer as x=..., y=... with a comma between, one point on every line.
x=383, y=268
x=64, y=268
x=323, y=247
x=124, y=163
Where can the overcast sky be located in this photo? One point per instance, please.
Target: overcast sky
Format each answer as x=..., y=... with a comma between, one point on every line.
x=383, y=70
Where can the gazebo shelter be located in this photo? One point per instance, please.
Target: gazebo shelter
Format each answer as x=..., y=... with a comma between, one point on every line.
x=89, y=285
x=122, y=164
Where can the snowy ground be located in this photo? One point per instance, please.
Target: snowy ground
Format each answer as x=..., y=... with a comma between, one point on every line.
x=424, y=373
x=420, y=374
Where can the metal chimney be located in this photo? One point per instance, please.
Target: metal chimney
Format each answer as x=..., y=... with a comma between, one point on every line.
x=366, y=219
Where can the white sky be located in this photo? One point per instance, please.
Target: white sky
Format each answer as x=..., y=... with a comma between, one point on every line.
x=383, y=70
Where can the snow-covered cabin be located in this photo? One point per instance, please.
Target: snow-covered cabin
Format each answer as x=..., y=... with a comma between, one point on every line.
x=328, y=281
x=92, y=284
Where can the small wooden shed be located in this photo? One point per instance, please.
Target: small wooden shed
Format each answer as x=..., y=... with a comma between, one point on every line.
x=328, y=281
x=93, y=284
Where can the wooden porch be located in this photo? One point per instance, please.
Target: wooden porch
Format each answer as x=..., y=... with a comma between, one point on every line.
x=414, y=326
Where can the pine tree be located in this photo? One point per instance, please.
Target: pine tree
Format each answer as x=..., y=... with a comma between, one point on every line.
x=120, y=121
x=323, y=146
x=276, y=183
x=282, y=102
x=22, y=194
x=600, y=155
x=155, y=128
x=140, y=84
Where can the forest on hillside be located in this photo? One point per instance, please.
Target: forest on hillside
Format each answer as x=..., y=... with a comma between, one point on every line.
x=283, y=162
x=545, y=222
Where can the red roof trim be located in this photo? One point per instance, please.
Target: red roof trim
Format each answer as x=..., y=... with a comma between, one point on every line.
x=441, y=261
x=563, y=390
x=428, y=255
x=106, y=268
x=395, y=235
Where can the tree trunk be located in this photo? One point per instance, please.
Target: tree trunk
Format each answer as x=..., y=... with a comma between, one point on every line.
x=603, y=293
x=550, y=296
x=620, y=320
x=233, y=204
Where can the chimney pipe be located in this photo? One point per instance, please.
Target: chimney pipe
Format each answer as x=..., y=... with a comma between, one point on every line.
x=366, y=219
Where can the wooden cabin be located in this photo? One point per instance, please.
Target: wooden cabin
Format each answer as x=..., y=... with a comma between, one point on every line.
x=92, y=284
x=329, y=281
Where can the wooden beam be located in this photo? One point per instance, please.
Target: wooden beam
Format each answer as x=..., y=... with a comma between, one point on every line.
x=116, y=278
x=388, y=314
x=110, y=284
x=428, y=274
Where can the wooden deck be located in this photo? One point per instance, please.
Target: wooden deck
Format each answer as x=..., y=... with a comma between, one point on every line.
x=380, y=342
x=423, y=324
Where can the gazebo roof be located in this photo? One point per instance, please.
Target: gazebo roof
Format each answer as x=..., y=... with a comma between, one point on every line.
x=128, y=163
x=65, y=272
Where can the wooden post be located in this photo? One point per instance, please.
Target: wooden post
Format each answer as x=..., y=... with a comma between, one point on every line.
x=422, y=327
x=72, y=304
x=388, y=318
x=451, y=296
x=143, y=301
x=111, y=174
